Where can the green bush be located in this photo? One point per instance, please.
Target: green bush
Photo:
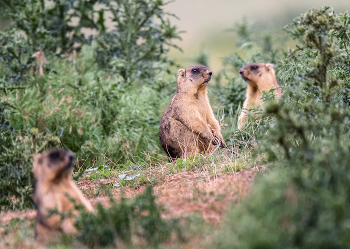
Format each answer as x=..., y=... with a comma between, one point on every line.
x=16, y=178
x=140, y=37
x=49, y=24
x=124, y=222
x=137, y=35
x=15, y=58
x=92, y=112
x=303, y=202
x=105, y=112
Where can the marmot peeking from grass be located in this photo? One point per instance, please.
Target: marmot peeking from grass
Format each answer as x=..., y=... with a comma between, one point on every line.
x=259, y=77
x=53, y=184
x=188, y=126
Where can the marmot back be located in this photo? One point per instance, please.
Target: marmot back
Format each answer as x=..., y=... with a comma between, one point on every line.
x=53, y=184
x=259, y=77
x=188, y=126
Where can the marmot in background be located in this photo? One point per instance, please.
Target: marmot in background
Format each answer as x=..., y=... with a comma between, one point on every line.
x=53, y=182
x=259, y=77
x=188, y=126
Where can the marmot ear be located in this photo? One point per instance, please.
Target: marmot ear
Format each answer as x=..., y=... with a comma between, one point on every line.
x=268, y=66
x=182, y=72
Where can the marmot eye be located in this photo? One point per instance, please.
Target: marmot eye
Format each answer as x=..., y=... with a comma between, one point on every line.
x=254, y=67
x=54, y=155
x=195, y=71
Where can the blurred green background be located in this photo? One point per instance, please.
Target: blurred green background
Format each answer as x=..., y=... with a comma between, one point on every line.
x=206, y=23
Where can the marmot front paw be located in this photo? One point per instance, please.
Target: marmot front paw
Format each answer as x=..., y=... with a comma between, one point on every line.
x=223, y=144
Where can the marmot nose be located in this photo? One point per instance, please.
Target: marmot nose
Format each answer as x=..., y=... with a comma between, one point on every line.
x=210, y=72
x=70, y=155
x=241, y=71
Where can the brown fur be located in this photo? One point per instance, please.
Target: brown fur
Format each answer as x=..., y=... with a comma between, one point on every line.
x=259, y=77
x=53, y=184
x=188, y=126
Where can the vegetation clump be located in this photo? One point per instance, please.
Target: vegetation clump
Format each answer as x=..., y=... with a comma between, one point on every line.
x=123, y=222
x=60, y=89
x=303, y=202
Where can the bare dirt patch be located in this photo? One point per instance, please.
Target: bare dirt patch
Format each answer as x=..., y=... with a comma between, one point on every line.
x=7, y=217
x=191, y=192
x=180, y=194
x=187, y=193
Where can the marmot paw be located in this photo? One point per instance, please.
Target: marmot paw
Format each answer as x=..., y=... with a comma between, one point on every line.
x=223, y=144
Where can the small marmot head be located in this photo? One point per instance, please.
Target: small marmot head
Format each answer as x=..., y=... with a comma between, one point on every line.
x=194, y=76
x=51, y=166
x=254, y=72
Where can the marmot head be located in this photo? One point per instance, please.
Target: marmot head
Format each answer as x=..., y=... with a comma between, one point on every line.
x=254, y=73
x=52, y=166
x=194, y=77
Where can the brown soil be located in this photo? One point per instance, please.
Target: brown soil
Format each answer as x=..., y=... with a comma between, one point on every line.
x=180, y=194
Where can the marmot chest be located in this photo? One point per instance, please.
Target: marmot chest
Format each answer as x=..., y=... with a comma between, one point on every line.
x=203, y=107
x=59, y=195
x=253, y=97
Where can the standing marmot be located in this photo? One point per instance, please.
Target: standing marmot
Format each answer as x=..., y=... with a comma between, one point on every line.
x=188, y=125
x=259, y=77
x=52, y=174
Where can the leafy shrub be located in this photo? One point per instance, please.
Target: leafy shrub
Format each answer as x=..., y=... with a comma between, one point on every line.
x=232, y=96
x=303, y=203
x=140, y=37
x=15, y=58
x=16, y=178
x=90, y=111
x=137, y=34
x=256, y=45
x=123, y=221
x=106, y=114
x=48, y=24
